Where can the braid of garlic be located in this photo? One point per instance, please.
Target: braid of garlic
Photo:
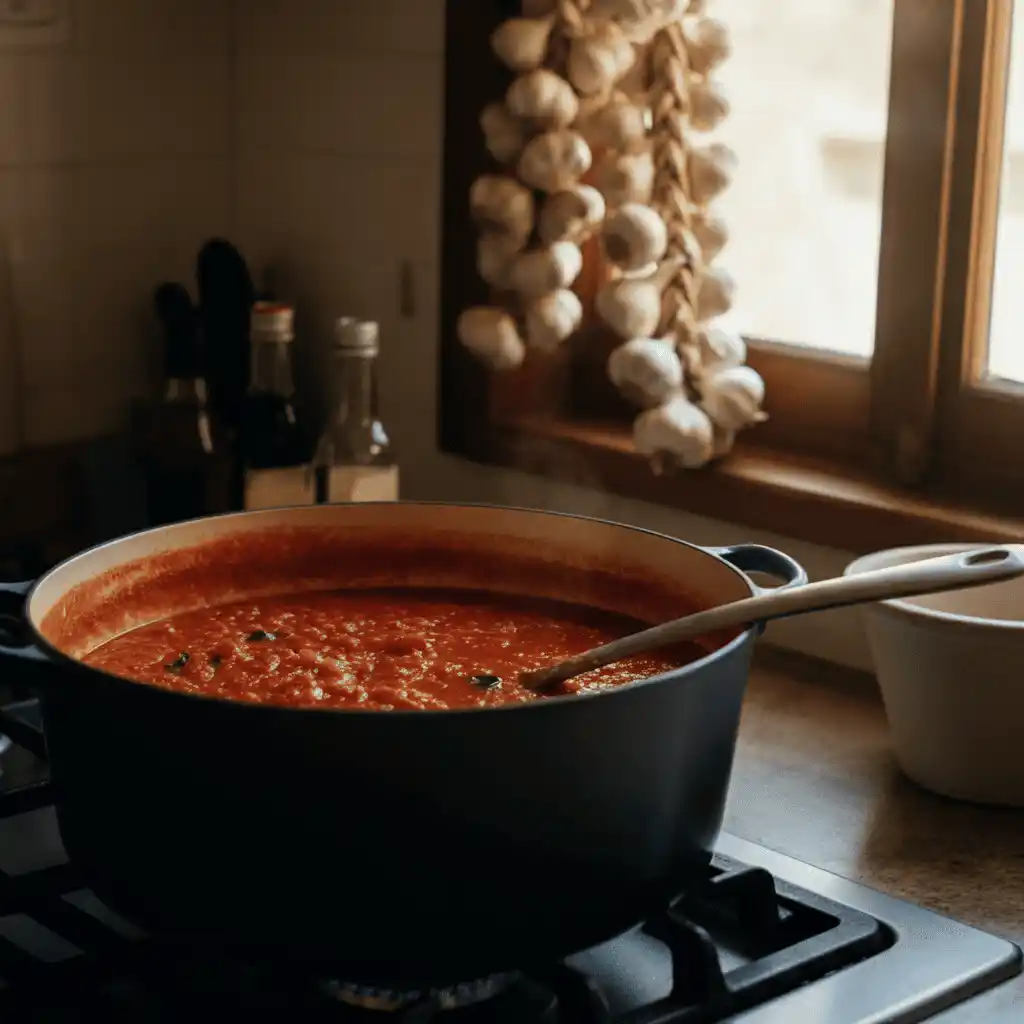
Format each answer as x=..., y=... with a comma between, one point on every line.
x=670, y=110
x=570, y=16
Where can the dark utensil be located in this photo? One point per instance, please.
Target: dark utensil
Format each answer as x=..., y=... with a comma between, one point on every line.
x=174, y=307
x=226, y=296
x=180, y=320
x=398, y=848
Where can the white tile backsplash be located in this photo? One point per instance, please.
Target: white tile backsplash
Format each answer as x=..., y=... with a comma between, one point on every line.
x=153, y=106
x=183, y=28
x=342, y=226
x=115, y=164
x=51, y=102
x=336, y=28
x=39, y=229
x=380, y=104
x=39, y=114
x=308, y=130
x=340, y=135
x=138, y=213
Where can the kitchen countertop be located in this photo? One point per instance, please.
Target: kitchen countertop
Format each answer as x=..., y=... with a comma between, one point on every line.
x=815, y=779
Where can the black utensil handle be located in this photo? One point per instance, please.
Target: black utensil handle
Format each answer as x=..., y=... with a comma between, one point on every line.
x=758, y=558
x=15, y=633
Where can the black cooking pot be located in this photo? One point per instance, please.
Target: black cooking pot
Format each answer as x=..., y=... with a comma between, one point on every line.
x=412, y=847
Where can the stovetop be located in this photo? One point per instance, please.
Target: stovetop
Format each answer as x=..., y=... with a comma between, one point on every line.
x=764, y=940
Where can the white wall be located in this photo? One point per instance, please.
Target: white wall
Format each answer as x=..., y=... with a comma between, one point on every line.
x=114, y=164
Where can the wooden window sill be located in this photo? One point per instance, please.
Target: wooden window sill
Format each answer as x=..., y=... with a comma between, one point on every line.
x=786, y=494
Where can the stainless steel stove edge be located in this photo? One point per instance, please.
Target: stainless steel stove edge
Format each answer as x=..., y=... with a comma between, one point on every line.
x=935, y=964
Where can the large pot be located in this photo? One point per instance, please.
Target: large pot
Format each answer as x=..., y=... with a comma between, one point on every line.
x=419, y=847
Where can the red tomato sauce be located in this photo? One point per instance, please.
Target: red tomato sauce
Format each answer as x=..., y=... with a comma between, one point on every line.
x=375, y=649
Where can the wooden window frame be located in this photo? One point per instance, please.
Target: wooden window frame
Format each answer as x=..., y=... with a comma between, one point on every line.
x=883, y=446
x=979, y=420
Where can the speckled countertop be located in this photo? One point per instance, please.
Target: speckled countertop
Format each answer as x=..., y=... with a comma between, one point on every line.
x=815, y=779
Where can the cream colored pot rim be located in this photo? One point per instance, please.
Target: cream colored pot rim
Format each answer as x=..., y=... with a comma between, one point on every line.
x=919, y=613
x=671, y=677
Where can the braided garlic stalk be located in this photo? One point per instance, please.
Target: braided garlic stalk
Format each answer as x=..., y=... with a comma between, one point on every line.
x=578, y=108
x=718, y=395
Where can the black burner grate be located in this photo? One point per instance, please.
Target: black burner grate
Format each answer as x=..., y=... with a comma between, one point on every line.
x=737, y=941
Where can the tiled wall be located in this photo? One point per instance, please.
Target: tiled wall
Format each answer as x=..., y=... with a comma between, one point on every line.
x=309, y=131
x=115, y=150
x=339, y=135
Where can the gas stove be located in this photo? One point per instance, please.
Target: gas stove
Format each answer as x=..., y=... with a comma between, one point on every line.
x=764, y=939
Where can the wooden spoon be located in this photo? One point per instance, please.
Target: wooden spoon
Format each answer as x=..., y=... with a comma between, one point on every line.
x=930, y=576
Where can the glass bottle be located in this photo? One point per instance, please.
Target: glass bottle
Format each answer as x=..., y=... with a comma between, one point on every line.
x=354, y=458
x=273, y=442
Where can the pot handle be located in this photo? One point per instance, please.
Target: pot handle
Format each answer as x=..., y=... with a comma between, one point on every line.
x=15, y=633
x=758, y=558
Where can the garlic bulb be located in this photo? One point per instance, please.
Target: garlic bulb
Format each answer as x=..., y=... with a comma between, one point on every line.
x=491, y=335
x=502, y=206
x=719, y=348
x=625, y=177
x=634, y=84
x=707, y=43
x=640, y=20
x=599, y=58
x=715, y=293
x=522, y=43
x=554, y=160
x=722, y=442
x=620, y=125
x=709, y=105
x=678, y=429
x=732, y=397
x=631, y=306
x=634, y=236
x=495, y=255
x=711, y=170
x=552, y=318
x=711, y=232
x=570, y=216
x=536, y=273
x=544, y=99
x=646, y=370
x=503, y=133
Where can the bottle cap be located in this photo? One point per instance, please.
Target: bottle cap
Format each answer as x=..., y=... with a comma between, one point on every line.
x=358, y=337
x=272, y=321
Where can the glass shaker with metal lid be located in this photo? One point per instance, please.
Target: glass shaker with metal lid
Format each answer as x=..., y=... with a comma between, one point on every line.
x=354, y=458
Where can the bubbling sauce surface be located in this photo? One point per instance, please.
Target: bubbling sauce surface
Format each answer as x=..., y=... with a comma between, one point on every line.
x=382, y=649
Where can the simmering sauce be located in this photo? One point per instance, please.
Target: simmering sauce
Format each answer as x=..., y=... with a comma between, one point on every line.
x=376, y=649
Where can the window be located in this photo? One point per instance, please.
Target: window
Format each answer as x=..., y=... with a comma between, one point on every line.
x=980, y=404
x=877, y=238
x=809, y=89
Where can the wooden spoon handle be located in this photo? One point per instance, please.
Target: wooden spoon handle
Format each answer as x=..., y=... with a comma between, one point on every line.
x=932, y=575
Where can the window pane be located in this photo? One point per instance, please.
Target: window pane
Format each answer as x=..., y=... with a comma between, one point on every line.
x=808, y=82
x=1006, y=337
